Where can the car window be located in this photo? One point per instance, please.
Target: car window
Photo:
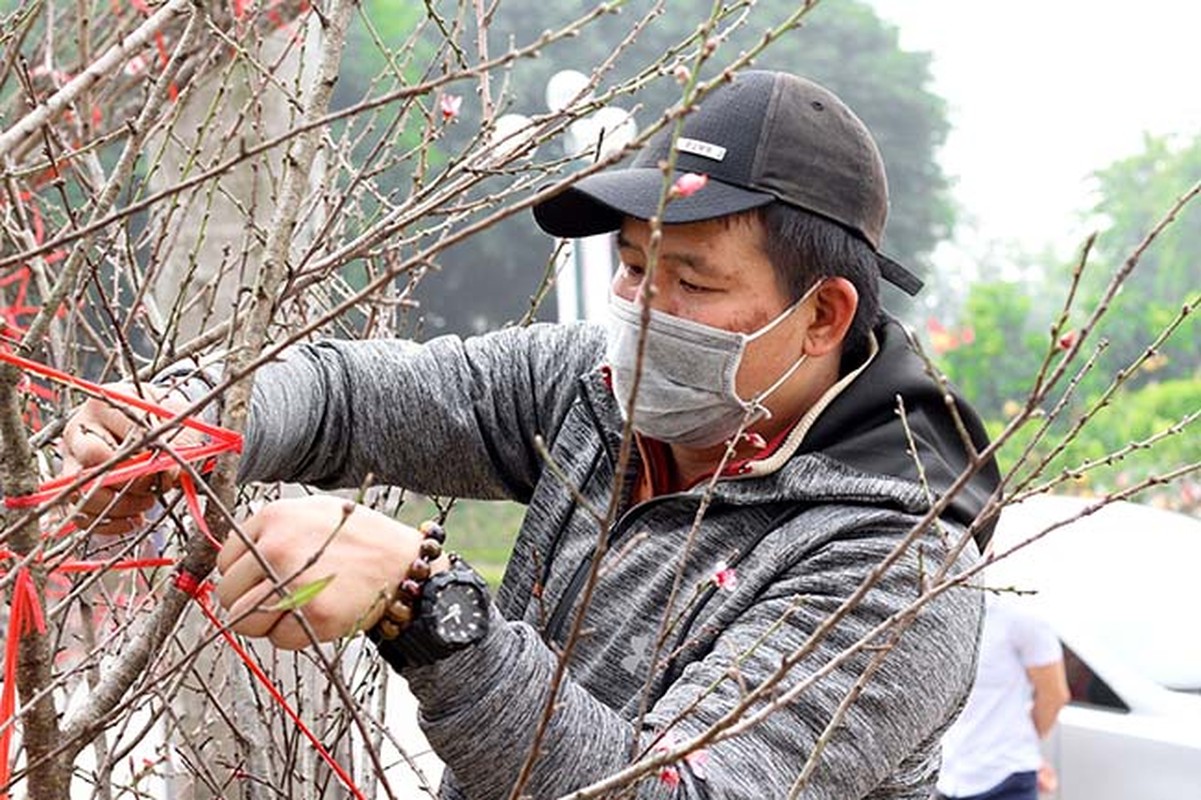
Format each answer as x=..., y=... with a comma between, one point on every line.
x=1087, y=687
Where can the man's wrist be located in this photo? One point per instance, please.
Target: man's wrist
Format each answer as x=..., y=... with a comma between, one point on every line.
x=432, y=614
x=401, y=608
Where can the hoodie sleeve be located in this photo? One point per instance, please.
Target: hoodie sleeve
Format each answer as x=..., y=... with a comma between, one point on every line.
x=480, y=707
x=449, y=417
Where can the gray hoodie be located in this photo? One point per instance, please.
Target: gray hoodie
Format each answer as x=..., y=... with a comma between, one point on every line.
x=805, y=524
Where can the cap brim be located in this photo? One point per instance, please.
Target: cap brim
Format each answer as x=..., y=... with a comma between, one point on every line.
x=898, y=275
x=598, y=203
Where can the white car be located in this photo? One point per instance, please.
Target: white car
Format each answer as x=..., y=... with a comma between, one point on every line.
x=1122, y=587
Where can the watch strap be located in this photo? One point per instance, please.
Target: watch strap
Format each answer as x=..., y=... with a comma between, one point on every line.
x=415, y=646
x=400, y=653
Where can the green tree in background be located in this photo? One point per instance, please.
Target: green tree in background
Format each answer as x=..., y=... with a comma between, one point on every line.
x=992, y=355
x=1135, y=192
x=846, y=46
x=994, y=349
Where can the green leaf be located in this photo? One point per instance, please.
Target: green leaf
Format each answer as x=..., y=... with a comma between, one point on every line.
x=303, y=596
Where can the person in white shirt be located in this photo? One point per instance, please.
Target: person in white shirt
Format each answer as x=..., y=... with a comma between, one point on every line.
x=991, y=752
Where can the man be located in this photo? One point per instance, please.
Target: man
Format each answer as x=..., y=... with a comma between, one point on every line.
x=764, y=316
x=992, y=750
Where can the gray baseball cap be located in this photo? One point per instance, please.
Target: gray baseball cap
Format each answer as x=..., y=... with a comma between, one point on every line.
x=764, y=136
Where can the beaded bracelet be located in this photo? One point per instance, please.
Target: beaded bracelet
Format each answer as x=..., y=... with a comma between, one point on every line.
x=401, y=607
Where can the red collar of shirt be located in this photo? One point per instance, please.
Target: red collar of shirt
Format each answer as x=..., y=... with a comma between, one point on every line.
x=656, y=462
x=656, y=472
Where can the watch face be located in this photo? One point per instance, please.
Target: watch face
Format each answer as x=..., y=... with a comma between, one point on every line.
x=459, y=614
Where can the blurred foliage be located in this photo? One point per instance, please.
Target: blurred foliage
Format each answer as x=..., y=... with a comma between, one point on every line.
x=993, y=356
x=993, y=351
x=1135, y=193
x=1112, y=439
x=486, y=281
x=481, y=531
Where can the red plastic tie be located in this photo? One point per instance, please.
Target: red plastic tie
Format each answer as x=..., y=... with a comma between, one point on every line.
x=140, y=403
x=104, y=566
x=192, y=499
x=200, y=591
x=136, y=466
x=25, y=609
x=188, y=583
x=25, y=616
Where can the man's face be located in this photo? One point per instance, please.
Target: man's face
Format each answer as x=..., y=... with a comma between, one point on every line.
x=716, y=273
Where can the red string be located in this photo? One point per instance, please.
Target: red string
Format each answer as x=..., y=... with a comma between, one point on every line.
x=105, y=566
x=136, y=466
x=91, y=565
x=25, y=607
x=25, y=616
x=188, y=583
x=193, y=501
x=140, y=403
x=25, y=610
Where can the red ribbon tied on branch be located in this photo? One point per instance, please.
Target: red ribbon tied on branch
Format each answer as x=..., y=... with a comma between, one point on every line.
x=26, y=612
x=25, y=616
x=136, y=466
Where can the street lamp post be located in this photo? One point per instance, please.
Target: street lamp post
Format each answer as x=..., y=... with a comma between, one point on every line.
x=585, y=266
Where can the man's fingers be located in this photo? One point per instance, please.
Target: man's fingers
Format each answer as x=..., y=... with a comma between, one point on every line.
x=86, y=447
x=96, y=424
x=99, y=427
x=115, y=421
x=244, y=582
x=91, y=437
x=246, y=609
x=250, y=617
x=235, y=547
x=148, y=488
x=289, y=634
x=104, y=501
x=246, y=592
x=110, y=526
x=238, y=577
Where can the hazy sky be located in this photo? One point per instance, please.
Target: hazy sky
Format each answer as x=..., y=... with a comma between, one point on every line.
x=1042, y=92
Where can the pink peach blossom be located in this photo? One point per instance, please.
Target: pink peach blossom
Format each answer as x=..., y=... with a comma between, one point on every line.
x=689, y=184
x=724, y=577
x=450, y=105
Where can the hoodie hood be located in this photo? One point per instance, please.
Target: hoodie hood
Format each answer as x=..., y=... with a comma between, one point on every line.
x=862, y=429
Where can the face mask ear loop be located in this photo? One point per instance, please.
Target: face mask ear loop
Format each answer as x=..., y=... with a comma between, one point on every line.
x=755, y=405
x=785, y=314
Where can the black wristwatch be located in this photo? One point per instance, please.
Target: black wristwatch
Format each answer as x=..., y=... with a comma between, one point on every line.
x=451, y=614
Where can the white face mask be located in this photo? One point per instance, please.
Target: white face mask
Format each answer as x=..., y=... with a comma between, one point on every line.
x=687, y=393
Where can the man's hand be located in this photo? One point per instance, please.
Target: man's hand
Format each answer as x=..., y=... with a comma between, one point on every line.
x=91, y=437
x=363, y=552
x=1048, y=780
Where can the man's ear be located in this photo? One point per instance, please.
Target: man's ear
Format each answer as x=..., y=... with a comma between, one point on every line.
x=834, y=306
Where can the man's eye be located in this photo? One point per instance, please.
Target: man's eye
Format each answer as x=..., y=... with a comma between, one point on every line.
x=634, y=270
x=688, y=286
